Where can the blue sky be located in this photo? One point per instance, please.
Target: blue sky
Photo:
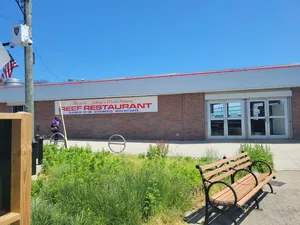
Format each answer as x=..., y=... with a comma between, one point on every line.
x=96, y=39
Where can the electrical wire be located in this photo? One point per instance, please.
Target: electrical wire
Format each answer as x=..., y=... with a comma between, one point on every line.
x=50, y=71
x=2, y=16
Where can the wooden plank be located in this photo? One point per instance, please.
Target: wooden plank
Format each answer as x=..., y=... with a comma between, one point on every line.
x=242, y=187
x=247, y=197
x=9, y=218
x=209, y=166
x=25, y=184
x=226, y=167
x=26, y=167
x=63, y=121
x=21, y=151
x=245, y=165
x=240, y=184
x=10, y=116
x=224, y=175
x=217, y=195
x=16, y=166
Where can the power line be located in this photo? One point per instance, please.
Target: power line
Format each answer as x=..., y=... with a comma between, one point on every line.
x=2, y=16
x=44, y=63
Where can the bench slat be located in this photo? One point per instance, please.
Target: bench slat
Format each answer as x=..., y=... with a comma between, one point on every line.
x=209, y=166
x=247, y=197
x=223, y=168
x=243, y=165
x=224, y=175
x=234, y=185
x=242, y=187
x=238, y=186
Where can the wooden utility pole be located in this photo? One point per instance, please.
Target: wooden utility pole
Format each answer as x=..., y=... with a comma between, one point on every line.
x=28, y=55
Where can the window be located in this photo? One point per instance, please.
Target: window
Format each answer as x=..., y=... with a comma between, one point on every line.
x=17, y=108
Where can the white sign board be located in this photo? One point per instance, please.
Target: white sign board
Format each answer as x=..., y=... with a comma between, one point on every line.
x=4, y=57
x=108, y=106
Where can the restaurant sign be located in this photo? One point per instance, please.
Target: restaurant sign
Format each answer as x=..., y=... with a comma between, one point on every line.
x=107, y=106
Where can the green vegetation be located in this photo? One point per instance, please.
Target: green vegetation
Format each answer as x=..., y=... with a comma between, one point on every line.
x=79, y=187
x=259, y=152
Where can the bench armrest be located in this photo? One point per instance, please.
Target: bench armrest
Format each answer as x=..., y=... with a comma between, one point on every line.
x=224, y=183
x=244, y=169
x=260, y=161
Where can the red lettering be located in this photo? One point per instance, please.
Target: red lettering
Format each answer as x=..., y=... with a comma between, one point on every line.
x=148, y=104
x=86, y=107
x=104, y=106
x=125, y=106
x=139, y=105
x=70, y=108
x=111, y=107
x=118, y=107
x=98, y=107
x=133, y=106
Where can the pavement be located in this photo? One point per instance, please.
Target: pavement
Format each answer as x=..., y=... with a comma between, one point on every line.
x=280, y=208
x=286, y=155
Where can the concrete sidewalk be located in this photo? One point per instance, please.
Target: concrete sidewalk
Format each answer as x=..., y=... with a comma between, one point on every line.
x=280, y=208
x=286, y=155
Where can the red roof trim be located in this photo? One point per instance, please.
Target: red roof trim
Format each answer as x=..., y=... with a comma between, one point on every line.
x=164, y=76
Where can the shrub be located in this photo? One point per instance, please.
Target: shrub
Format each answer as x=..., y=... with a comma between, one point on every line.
x=160, y=150
x=211, y=156
x=259, y=152
x=77, y=186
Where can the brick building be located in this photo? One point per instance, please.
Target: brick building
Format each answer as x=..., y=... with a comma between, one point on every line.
x=252, y=103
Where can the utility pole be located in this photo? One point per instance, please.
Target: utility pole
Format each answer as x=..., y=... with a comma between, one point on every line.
x=28, y=55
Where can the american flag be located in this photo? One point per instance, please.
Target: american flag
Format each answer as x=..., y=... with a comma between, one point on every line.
x=9, y=68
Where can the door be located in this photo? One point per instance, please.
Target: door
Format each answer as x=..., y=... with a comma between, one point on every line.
x=257, y=119
x=268, y=118
x=225, y=119
x=277, y=118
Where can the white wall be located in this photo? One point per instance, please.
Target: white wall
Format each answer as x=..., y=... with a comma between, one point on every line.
x=214, y=82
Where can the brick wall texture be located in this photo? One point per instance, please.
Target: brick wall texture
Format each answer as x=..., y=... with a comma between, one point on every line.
x=179, y=117
x=296, y=112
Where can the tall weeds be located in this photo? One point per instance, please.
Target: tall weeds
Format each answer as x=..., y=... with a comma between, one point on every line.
x=80, y=187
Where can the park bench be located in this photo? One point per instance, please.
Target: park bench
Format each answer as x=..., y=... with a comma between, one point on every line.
x=235, y=194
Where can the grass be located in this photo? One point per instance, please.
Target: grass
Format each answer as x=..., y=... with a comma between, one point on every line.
x=78, y=187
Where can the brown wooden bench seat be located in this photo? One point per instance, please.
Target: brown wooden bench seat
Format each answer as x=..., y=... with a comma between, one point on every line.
x=236, y=193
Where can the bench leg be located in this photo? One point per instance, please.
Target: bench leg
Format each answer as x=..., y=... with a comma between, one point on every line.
x=206, y=214
x=232, y=219
x=270, y=187
x=256, y=202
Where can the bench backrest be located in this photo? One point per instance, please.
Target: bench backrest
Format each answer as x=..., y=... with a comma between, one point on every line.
x=223, y=168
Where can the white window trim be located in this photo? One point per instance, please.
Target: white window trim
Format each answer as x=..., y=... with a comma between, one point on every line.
x=15, y=103
x=249, y=95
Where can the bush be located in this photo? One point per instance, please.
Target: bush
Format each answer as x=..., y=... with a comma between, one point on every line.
x=79, y=187
x=259, y=152
x=160, y=150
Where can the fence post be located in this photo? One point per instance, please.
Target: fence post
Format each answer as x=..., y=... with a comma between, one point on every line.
x=34, y=155
x=40, y=150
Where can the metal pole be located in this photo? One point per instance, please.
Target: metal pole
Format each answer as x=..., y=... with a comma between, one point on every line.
x=29, y=95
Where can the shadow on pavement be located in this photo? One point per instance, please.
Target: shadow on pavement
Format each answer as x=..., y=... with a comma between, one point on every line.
x=235, y=217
